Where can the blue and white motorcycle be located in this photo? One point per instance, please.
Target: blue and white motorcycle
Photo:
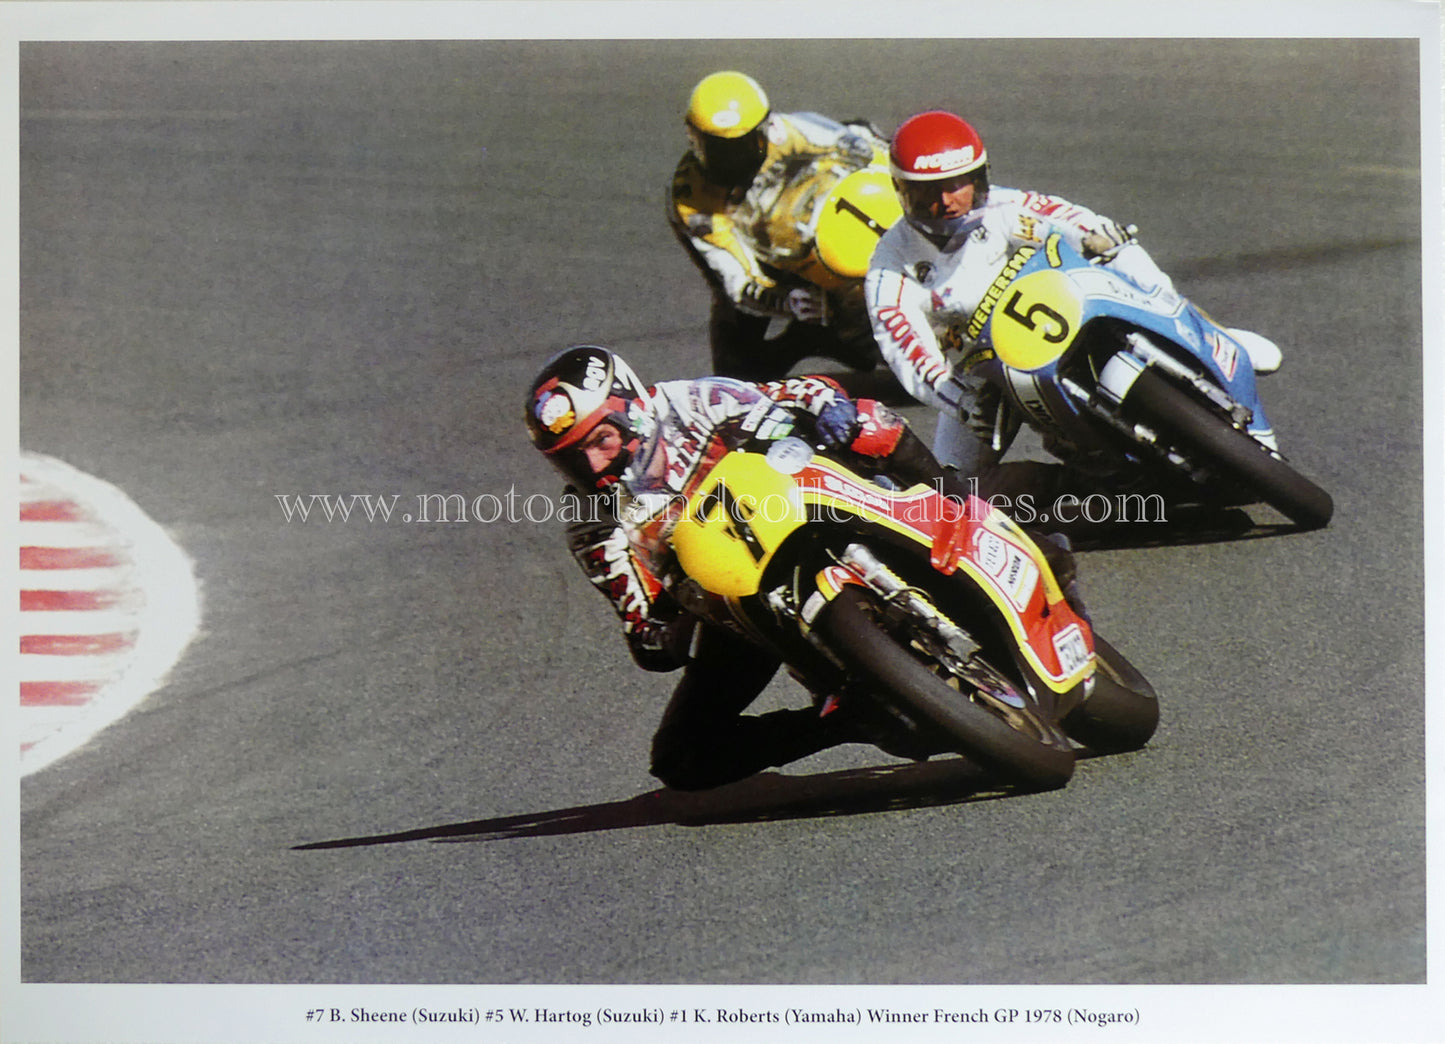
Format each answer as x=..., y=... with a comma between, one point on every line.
x=1139, y=386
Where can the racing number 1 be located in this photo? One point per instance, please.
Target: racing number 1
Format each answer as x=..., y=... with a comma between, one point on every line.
x=852, y=208
x=1028, y=320
x=738, y=526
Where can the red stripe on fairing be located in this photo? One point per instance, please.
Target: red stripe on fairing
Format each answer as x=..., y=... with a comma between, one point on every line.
x=68, y=558
x=57, y=693
x=76, y=644
x=51, y=511
x=68, y=601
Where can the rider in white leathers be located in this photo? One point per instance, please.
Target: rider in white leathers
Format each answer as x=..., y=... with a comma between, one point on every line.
x=931, y=271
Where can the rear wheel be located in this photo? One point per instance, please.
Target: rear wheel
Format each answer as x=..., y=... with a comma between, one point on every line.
x=1161, y=405
x=911, y=685
x=1122, y=711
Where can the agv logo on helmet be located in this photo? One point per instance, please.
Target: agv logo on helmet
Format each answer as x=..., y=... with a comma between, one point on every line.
x=596, y=375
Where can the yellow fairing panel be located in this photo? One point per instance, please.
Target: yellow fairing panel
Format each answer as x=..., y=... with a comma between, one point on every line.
x=735, y=522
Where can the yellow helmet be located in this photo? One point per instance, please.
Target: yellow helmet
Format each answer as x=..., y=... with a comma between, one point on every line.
x=727, y=105
x=725, y=118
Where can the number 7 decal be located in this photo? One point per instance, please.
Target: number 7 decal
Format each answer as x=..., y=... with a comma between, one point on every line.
x=738, y=526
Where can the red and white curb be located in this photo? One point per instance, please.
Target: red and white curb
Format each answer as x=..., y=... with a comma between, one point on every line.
x=108, y=603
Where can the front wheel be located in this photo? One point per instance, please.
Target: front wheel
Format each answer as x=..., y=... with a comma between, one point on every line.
x=1163, y=406
x=911, y=686
x=1122, y=710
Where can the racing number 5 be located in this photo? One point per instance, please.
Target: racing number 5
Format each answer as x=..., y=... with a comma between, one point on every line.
x=1029, y=319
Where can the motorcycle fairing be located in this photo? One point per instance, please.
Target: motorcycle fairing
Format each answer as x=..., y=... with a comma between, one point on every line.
x=1038, y=314
x=733, y=517
x=1000, y=558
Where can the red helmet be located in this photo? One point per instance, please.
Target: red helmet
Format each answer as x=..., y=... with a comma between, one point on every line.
x=580, y=388
x=933, y=153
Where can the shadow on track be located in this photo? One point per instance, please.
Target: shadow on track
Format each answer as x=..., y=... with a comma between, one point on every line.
x=1186, y=526
x=879, y=384
x=761, y=798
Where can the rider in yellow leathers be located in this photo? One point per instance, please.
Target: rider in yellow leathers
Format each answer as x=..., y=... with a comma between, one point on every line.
x=747, y=201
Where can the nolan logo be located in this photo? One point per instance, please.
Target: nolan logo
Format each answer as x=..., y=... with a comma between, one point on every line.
x=945, y=160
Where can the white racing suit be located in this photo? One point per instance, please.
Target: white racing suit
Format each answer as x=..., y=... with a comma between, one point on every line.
x=920, y=298
x=751, y=244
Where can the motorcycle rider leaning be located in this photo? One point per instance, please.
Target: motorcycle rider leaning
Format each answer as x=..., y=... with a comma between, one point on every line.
x=931, y=271
x=598, y=424
x=729, y=205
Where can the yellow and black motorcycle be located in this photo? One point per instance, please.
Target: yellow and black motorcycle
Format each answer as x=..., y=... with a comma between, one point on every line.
x=812, y=225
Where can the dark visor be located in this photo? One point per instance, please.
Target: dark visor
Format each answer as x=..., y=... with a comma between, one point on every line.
x=731, y=160
x=924, y=199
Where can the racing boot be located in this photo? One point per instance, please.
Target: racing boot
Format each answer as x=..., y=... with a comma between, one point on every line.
x=1264, y=354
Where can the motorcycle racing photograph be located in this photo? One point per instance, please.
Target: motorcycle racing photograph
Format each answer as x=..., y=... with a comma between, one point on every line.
x=759, y=530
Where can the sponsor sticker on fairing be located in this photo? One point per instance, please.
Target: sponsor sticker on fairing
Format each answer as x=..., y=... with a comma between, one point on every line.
x=857, y=494
x=789, y=455
x=1226, y=355
x=1073, y=651
x=990, y=553
x=1013, y=570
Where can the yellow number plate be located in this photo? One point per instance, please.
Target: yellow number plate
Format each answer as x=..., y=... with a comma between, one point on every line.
x=734, y=522
x=1036, y=320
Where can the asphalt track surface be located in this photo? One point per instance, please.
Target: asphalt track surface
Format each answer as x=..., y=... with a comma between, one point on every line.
x=286, y=269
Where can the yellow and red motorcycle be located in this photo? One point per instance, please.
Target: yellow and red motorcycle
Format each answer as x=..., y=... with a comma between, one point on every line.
x=936, y=626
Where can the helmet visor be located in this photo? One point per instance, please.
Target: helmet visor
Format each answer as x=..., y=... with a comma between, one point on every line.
x=923, y=200
x=729, y=161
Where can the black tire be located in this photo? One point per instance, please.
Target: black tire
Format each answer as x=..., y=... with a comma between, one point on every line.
x=1121, y=713
x=911, y=687
x=1161, y=405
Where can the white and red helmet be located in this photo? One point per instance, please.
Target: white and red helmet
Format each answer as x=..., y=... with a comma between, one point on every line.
x=932, y=153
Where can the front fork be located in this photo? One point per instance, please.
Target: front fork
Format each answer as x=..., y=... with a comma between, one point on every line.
x=1123, y=368
x=949, y=645
x=943, y=639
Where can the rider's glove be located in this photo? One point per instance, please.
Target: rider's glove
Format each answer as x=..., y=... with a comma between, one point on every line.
x=879, y=429
x=838, y=425
x=956, y=394
x=662, y=645
x=1106, y=240
x=807, y=304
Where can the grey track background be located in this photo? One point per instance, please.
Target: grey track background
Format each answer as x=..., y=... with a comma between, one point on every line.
x=250, y=270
